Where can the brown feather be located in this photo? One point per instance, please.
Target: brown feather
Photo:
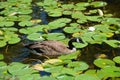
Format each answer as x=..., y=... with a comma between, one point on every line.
x=51, y=48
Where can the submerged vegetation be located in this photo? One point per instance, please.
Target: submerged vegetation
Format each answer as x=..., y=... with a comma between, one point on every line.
x=88, y=20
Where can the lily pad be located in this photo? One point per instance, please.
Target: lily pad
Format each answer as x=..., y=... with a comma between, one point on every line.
x=117, y=59
x=54, y=36
x=14, y=40
x=1, y=56
x=80, y=45
x=85, y=4
x=72, y=29
x=35, y=36
x=6, y=23
x=86, y=77
x=77, y=15
x=55, y=12
x=98, y=4
x=109, y=71
x=19, y=69
x=78, y=66
x=67, y=6
x=25, y=23
x=113, y=43
x=94, y=18
x=2, y=43
x=103, y=63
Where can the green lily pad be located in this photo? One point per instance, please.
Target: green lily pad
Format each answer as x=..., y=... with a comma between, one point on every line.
x=111, y=21
x=1, y=56
x=59, y=23
x=103, y=28
x=74, y=24
x=86, y=77
x=67, y=6
x=94, y=18
x=69, y=56
x=65, y=77
x=77, y=15
x=55, y=12
x=85, y=4
x=109, y=71
x=14, y=40
x=79, y=8
x=55, y=36
x=78, y=66
x=25, y=23
x=117, y=59
x=80, y=45
x=72, y=29
x=19, y=69
x=103, y=63
x=99, y=38
x=6, y=23
x=66, y=12
x=113, y=43
x=2, y=43
x=24, y=18
x=98, y=4
x=35, y=36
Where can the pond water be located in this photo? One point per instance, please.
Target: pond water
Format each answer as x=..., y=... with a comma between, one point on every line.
x=18, y=53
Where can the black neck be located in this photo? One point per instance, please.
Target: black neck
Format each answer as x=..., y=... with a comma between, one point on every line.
x=70, y=43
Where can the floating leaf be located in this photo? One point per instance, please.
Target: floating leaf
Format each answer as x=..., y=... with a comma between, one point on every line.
x=78, y=66
x=113, y=43
x=79, y=8
x=111, y=21
x=68, y=71
x=109, y=71
x=65, y=77
x=86, y=77
x=47, y=78
x=99, y=38
x=70, y=56
x=72, y=29
x=19, y=69
x=80, y=45
x=35, y=36
x=6, y=23
x=25, y=23
x=103, y=28
x=98, y=4
x=77, y=15
x=94, y=18
x=66, y=12
x=85, y=4
x=103, y=63
x=24, y=18
x=1, y=56
x=67, y=6
x=14, y=40
x=117, y=59
x=55, y=36
x=55, y=12
x=59, y=23
x=2, y=43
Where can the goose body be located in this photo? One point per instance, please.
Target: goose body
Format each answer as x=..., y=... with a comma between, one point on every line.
x=53, y=48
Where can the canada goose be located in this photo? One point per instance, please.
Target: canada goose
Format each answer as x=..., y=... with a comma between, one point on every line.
x=52, y=47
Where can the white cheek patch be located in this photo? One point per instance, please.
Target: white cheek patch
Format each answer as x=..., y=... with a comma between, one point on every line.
x=78, y=40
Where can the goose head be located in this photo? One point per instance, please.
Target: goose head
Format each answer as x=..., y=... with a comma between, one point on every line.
x=70, y=43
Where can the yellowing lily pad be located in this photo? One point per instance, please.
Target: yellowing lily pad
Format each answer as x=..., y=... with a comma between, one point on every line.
x=103, y=63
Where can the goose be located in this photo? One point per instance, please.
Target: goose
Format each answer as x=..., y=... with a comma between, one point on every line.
x=52, y=47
